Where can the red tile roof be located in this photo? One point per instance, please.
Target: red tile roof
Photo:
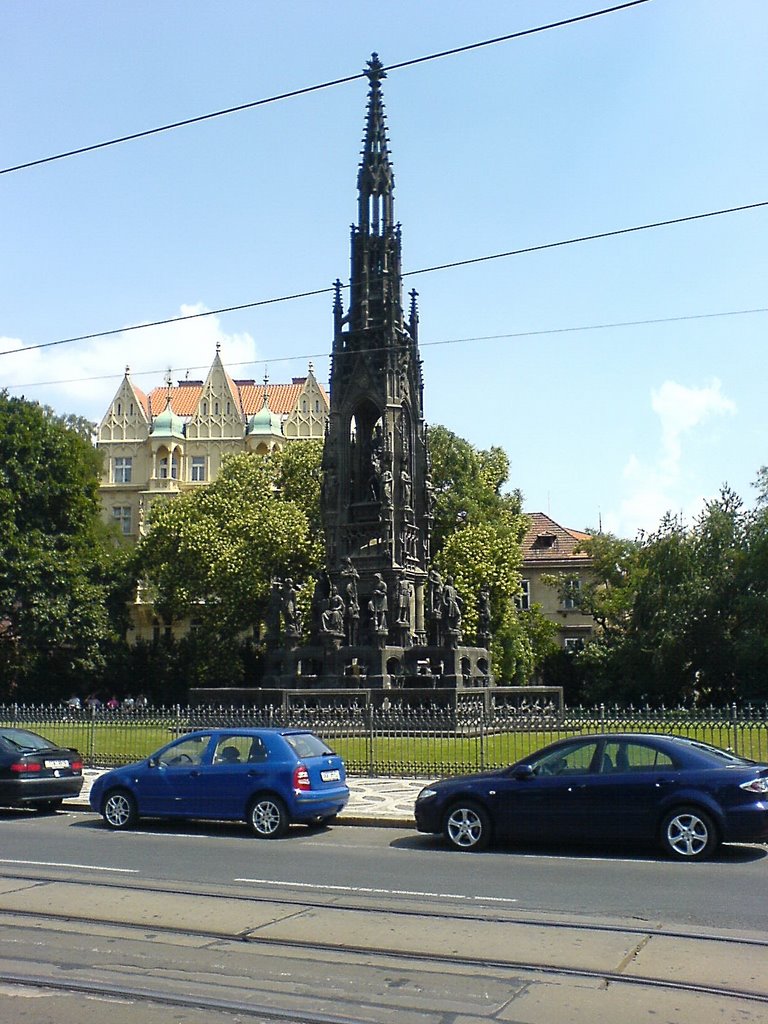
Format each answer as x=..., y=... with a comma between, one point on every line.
x=186, y=396
x=548, y=540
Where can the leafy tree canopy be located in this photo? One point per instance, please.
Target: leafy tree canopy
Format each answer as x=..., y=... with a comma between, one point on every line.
x=681, y=613
x=55, y=556
x=477, y=540
x=212, y=554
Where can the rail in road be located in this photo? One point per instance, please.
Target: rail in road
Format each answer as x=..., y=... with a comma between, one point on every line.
x=348, y=955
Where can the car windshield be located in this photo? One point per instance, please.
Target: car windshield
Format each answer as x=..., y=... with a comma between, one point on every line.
x=306, y=744
x=20, y=739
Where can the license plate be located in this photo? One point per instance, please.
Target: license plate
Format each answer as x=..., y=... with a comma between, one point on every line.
x=333, y=775
x=57, y=764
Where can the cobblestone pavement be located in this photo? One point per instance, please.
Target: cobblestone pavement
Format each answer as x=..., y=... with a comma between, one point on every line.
x=377, y=801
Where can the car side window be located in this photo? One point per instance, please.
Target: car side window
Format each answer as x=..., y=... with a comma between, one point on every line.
x=571, y=760
x=240, y=750
x=635, y=757
x=186, y=752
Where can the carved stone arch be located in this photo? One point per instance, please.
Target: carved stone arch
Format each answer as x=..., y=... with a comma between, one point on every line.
x=365, y=432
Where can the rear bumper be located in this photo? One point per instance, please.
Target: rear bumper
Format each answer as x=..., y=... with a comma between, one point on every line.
x=748, y=824
x=21, y=792
x=308, y=804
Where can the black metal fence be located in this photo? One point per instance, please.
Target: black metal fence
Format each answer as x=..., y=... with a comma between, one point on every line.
x=391, y=738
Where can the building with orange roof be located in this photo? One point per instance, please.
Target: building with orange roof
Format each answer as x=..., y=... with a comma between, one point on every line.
x=176, y=437
x=552, y=550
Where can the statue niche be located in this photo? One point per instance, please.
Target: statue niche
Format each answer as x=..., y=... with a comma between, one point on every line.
x=367, y=454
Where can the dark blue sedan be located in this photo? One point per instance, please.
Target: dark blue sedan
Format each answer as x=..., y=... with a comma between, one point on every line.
x=686, y=795
x=268, y=778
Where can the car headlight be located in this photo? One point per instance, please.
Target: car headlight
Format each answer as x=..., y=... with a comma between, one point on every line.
x=426, y=794
x=755, y=786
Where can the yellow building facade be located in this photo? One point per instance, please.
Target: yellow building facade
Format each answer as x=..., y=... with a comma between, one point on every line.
x=176, y=437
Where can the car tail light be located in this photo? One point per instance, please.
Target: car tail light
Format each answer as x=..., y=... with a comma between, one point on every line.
x=77, y=766
x=21, y=766
x=755, y=786
x=301, y=778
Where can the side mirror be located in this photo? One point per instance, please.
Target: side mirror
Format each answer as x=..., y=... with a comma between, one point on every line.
x=523, y=772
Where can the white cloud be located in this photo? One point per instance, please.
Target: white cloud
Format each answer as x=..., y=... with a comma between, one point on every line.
x=681, y=409
x=86, y=374
x=655, y=487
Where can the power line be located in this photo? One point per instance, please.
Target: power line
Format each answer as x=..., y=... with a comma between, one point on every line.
x=410, y=273
x=426, y=344
x=316, y=88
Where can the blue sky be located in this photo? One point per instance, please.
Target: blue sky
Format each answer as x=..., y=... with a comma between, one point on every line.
x=639, y=116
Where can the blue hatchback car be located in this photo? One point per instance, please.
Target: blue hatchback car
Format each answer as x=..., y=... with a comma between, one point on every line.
x=269, y=778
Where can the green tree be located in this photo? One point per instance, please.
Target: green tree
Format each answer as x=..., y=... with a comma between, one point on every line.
x=680, y=614
x=55, y=557
x=477, y=538
x=212, y=554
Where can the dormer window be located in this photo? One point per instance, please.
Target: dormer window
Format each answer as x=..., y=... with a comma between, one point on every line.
x=216, y=409
x=544, y=541
x=205, y=408
x=119, y=408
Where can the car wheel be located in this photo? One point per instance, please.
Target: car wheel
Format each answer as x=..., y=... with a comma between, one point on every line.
x=467, y=827
x=268, y=817
x=689, y=834
x=48, y=806
x=119, y=809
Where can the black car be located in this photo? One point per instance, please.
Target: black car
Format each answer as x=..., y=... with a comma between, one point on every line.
x=687, y=795
x=35, y=772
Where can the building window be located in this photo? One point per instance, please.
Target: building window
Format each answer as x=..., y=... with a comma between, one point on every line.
x=122, y=515
x=123, y=470
x=198, y=468
x=571, y=594
x=573, y=644
x=216, y=409
x=205, y=408
x=523, y=599
x=119, y=409
x=229, y=408
x=174, y=467
x=162, y=471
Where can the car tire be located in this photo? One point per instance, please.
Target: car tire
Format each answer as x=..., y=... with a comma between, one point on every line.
x=267, y=817
x=688, y=833
x=467, y=826
x=119, y=810
x=48, y=806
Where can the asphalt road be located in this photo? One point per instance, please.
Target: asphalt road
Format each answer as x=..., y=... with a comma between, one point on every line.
x=640, y=884
x=367, y=924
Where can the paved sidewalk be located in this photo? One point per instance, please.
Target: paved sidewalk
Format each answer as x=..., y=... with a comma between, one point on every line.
x=378, y=801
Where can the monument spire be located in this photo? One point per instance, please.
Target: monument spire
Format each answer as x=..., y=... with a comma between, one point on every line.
x=375, y=179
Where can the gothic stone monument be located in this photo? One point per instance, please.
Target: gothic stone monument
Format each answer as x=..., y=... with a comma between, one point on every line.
x=381, y=616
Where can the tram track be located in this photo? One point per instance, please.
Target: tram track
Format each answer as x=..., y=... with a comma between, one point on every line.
x=488, y=913
x=508, y=945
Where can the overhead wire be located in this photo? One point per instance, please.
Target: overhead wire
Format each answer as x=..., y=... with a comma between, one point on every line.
x=271, y=361
x=411, y=273
x=318, y=87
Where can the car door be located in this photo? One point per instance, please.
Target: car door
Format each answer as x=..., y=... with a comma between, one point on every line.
x=549, y=803
x=239, y=762
x=624, y=798
x=171, y=781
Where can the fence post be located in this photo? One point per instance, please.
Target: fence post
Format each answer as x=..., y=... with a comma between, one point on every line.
x=735, y=721
x=482, y=738
x=369, y=737
x=92, y=738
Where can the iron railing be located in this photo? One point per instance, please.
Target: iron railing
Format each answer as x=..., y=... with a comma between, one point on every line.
x=392, y=740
